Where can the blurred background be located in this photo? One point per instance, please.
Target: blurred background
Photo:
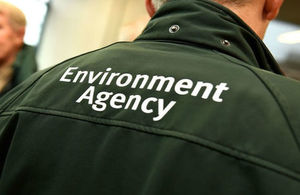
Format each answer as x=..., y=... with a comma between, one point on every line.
x=61, y=29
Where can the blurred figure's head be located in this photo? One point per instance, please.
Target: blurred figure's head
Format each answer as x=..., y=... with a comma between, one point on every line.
x=12, y=31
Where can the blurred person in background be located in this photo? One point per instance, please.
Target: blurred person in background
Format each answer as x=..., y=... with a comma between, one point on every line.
x=17, y=60
x=195, y=105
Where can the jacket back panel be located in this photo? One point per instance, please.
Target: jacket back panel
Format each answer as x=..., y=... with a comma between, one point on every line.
x=152, y=118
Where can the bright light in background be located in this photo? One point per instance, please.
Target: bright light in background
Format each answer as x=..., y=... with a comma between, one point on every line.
x=277, y=36
x=35, y=12
x=290, y=37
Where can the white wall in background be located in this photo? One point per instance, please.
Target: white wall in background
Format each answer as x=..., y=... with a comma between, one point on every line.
x=73, y=27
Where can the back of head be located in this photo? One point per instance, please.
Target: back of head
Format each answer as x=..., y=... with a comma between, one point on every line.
x=16, y=16
x=158, y=3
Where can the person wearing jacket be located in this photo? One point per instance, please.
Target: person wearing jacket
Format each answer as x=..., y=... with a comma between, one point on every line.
x=195, y=105
x=17, y=59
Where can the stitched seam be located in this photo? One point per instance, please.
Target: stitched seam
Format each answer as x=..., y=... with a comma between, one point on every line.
x=5, y=115
x=270, y=89
x=177, y=135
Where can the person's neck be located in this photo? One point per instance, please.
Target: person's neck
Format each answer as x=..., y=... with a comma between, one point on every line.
x=250, y=15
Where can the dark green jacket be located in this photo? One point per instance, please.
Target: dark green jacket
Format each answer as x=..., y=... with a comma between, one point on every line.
x=195, y=105
x=24, y=66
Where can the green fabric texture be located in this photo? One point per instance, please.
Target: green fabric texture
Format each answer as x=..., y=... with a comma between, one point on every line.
x=25, y=64
x=195, y=105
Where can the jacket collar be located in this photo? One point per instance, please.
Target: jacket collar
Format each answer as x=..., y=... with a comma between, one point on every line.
x=204, y=23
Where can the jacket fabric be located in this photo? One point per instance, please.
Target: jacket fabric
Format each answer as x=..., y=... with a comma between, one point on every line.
x=195, y=105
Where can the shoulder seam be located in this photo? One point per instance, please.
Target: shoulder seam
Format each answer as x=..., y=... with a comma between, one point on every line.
x=271, y=89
